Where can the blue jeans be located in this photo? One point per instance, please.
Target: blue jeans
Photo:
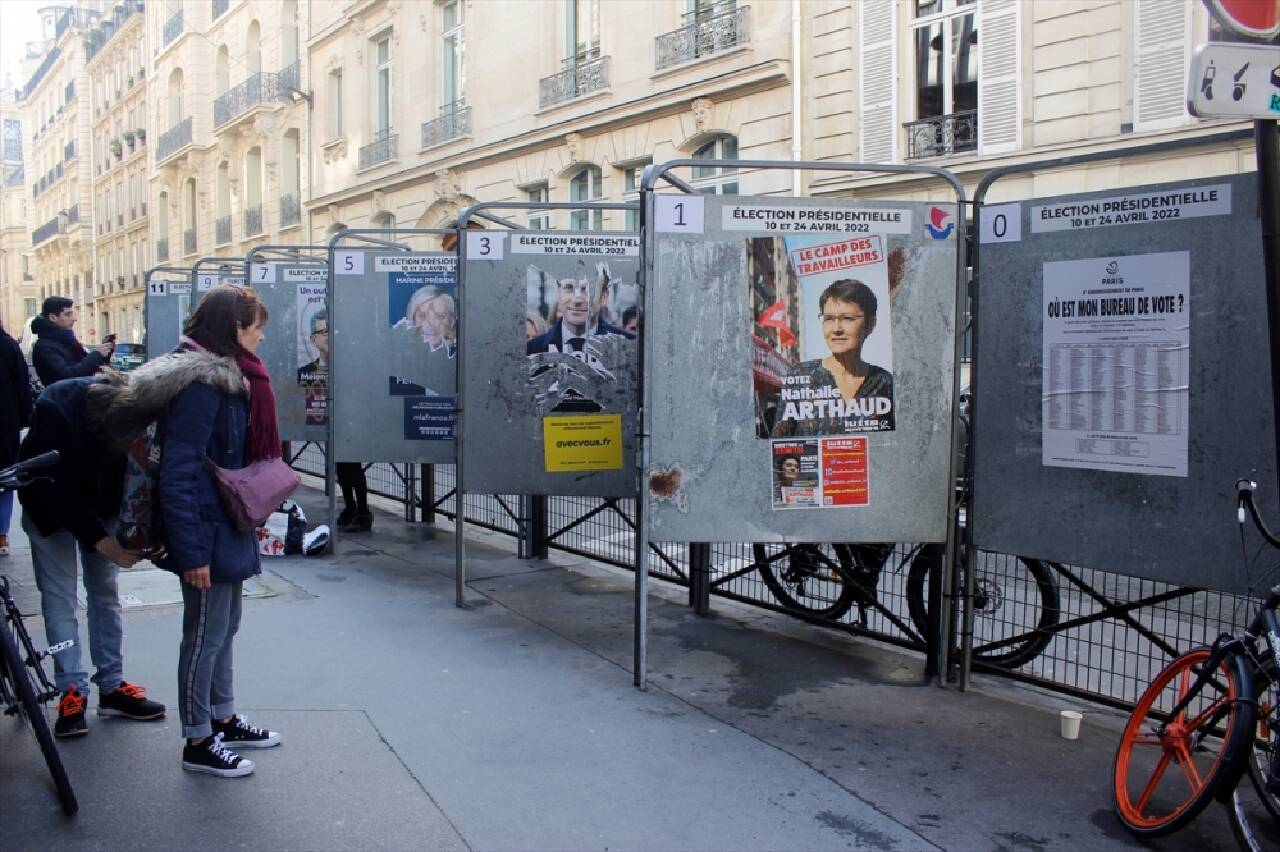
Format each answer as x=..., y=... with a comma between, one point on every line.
x=6, y=511
x=54, y=561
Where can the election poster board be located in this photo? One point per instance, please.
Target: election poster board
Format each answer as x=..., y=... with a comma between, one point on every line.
x=802, y=376
x=551, y=362
x=1123, y=382
x=166, y=306
x=393, y=339
x=295, y=349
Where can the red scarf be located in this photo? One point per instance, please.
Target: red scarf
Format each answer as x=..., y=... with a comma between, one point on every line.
x=264, y=435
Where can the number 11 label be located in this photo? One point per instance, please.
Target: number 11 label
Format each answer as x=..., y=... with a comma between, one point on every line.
x=678, y=214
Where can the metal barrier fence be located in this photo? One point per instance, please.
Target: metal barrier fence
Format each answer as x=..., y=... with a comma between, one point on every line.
x=1103, y=646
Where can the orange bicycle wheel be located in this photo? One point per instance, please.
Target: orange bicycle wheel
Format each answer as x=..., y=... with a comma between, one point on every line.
x=1167, y=768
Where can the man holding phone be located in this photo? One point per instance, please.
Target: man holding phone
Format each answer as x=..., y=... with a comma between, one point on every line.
x=57, y=354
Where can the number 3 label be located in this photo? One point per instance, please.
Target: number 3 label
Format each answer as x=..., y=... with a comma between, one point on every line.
x=482, y=246
x=348, y=262
x=678, y=214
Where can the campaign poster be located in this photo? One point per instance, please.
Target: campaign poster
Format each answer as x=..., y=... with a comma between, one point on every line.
x=1116, y=363
x=580, y=329
x=821, y=329
x=422, y=310
x=795, y=475
x=313, y=351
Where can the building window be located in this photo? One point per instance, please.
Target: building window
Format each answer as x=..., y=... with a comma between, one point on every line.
x=453, y=52
x=945, y=39
x=587, y=185
x=714, y=179
x=631, y=192
x=384, y=220
x=539, y=220
x=582, y=33
x=335, y=104
x=382, y=85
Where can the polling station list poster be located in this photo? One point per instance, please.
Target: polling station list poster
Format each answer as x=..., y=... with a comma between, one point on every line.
x=1116, y=363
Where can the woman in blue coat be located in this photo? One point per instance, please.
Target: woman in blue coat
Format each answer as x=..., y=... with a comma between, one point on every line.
x=205, y=422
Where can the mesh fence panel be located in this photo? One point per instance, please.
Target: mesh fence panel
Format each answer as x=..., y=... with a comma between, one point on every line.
x=1084, y=630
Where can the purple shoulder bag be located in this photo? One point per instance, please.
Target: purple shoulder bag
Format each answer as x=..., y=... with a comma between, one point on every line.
x=250, y=494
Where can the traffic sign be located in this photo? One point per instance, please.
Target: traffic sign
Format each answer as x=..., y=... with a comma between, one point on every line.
x=1233, y=80
x=1259, y=19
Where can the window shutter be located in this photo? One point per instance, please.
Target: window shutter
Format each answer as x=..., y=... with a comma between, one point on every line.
x=1160, y=68
x=999, y=96
x=878, y=113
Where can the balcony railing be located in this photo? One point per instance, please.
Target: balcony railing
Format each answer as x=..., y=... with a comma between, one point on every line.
x=941, y=135
x=40, y=72
x=97, y=38
x=382, y=149
x=575, y=82
x=703, y=36
x=57, y=225
x=173, y=28
x=219, y=8
x=288, y=78
x=454, y=122
x=173, y=140
x=189, y=241
x=162, y=249
x=222, y=230
x=261, y=88
x=253, y=221
x=290, y=210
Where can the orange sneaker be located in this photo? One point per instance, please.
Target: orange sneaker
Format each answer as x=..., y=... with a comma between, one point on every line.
x=70, y=721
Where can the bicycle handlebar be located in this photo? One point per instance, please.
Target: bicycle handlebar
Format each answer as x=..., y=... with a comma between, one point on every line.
x=22, y=474
x=1244, y=499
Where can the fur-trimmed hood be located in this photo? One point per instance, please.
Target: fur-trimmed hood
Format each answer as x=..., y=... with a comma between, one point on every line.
x=122, y=405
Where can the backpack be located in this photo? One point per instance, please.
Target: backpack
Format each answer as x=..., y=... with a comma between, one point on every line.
x=140, y=527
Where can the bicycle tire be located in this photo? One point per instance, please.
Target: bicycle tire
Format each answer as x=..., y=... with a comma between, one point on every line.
x=1253, y=810
x=33, y=714
x=1209, y=763
x=996, y=592
x=820, y=590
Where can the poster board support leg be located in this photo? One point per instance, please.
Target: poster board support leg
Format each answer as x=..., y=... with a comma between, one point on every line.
x=410, y=493
x=539, y=544
x=428, y=473
x=1266, y=136
x=700, y=577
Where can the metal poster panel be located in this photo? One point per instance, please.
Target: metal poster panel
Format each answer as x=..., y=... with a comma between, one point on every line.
x=1123, y=379
x=802, y=369
x=165, y=310
x=393, y=341
x=296, y=348
x=551, y=363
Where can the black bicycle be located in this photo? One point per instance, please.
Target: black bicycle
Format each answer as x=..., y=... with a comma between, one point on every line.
x=1016, y=600
x=24, y=686
x=1208, y=722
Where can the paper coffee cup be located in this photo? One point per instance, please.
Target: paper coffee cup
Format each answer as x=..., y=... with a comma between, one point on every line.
x=1071, y=724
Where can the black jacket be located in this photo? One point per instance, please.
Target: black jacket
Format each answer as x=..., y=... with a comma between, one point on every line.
x=15, y=398
x=554, y=336
x=55, y=359
x=87, y=483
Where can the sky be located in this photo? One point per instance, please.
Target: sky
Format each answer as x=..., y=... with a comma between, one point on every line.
x=19, y=24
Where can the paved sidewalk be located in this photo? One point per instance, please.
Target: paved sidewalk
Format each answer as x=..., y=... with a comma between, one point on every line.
x=512, y=724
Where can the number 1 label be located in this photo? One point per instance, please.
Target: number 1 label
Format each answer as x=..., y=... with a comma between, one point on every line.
x=678, y=214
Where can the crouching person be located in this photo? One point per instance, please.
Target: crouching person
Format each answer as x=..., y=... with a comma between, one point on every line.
x=70, y=514
x=231, y=424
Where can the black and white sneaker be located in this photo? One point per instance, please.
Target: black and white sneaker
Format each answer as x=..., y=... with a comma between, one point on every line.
x=239, y=733
x=212, y=757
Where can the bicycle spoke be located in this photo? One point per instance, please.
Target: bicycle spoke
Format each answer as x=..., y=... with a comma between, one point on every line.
x=1188, y=767
x=1156, y=774
x=1205, y=718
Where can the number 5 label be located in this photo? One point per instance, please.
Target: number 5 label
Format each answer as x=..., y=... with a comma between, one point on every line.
x=481, y=246
x=348, y=262
x=678, y=214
